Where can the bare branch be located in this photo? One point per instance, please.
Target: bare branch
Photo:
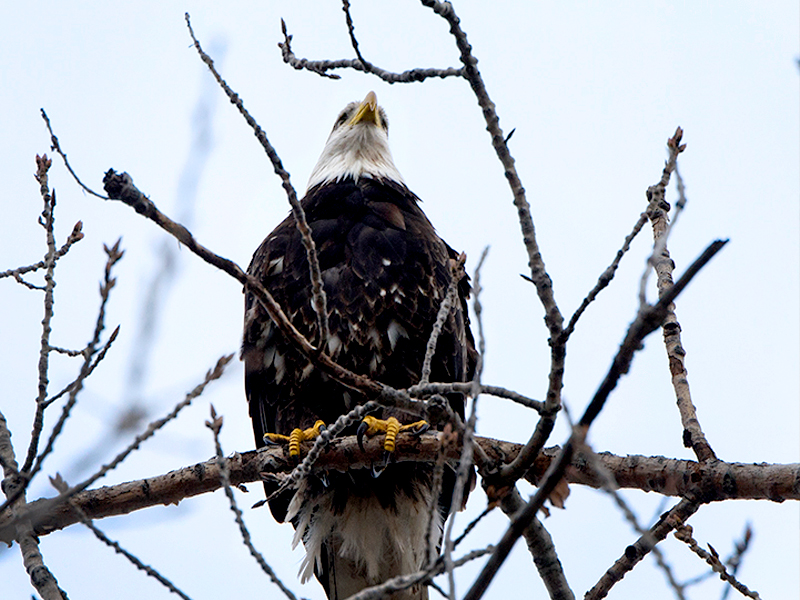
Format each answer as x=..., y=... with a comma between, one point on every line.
x=657, y=202
x=321, y=67
x=403, y=582
x=74, y=237
x=541, y=547
x=646, y=322
x=604, y=279
x=429, y=389
x=456, y=274
x=735, y=560
x=684, y=534
x=74, y=388
x=135, y=561
x=472, y=524
x=57, y=148
x=48, y=220
x=539, y=276
x=114, y=255
x=642, y=547
x=671, y=477
x=319, y=300
x=215, y=425
x=693, y=436
x=97, y=360
x=611, y=488
x=14, y=488
x=465, y=463
x=211, y=375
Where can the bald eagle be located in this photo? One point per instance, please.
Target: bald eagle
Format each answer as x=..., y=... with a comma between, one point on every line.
x=385, y=272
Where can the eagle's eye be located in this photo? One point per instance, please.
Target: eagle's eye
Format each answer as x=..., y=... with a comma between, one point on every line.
x=343, y=116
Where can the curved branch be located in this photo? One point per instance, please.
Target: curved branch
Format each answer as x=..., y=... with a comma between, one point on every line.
x=321, y=67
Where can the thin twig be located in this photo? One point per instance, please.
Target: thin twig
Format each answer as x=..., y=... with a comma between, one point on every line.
x=353, y=41
x=90, y=362
x=403, y=582
x=647, y=321
x=456, y=274
x=62, y=486
x=321, y=67
x=735, y=559
x=114, y=255
x=465, y=464
x=97, y=360
x=429, y=389
x=318, y=292
x=74, y=237
x=605, y=278
x=47, y=221
x=642, y=547
x=74, y=389
x=57, y=148
x=215, y=425
x=472, y=524
x=611, y=488
x=657, y=203
x=152, y=428
x=684, y=534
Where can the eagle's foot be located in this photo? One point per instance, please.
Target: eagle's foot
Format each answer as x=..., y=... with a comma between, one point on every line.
x=391, y=427
x=295, y=438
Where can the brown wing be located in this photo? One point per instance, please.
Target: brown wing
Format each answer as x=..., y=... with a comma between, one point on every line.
x=385, y=273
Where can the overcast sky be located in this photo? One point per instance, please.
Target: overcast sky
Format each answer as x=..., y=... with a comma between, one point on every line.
x=593, y=91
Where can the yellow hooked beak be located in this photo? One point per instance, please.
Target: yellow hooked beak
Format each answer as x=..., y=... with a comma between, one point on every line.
x=367, y=111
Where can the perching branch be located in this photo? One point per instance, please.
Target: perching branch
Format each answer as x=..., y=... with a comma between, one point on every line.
x=715, y=482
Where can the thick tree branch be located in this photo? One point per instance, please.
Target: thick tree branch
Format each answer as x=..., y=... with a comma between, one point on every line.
x=711, y=482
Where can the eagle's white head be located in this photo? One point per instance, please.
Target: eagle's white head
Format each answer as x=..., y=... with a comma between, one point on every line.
x=358, y=146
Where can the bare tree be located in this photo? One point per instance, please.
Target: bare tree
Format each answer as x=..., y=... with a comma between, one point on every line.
x=687, y=486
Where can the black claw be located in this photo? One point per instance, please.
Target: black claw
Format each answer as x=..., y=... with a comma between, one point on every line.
x=268, y=441
x=377, y=469
x=362, y=429
x=420, y=429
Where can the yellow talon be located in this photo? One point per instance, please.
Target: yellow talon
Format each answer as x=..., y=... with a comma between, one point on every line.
x=391, y=426
x=296, y=437
x=392, y=429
